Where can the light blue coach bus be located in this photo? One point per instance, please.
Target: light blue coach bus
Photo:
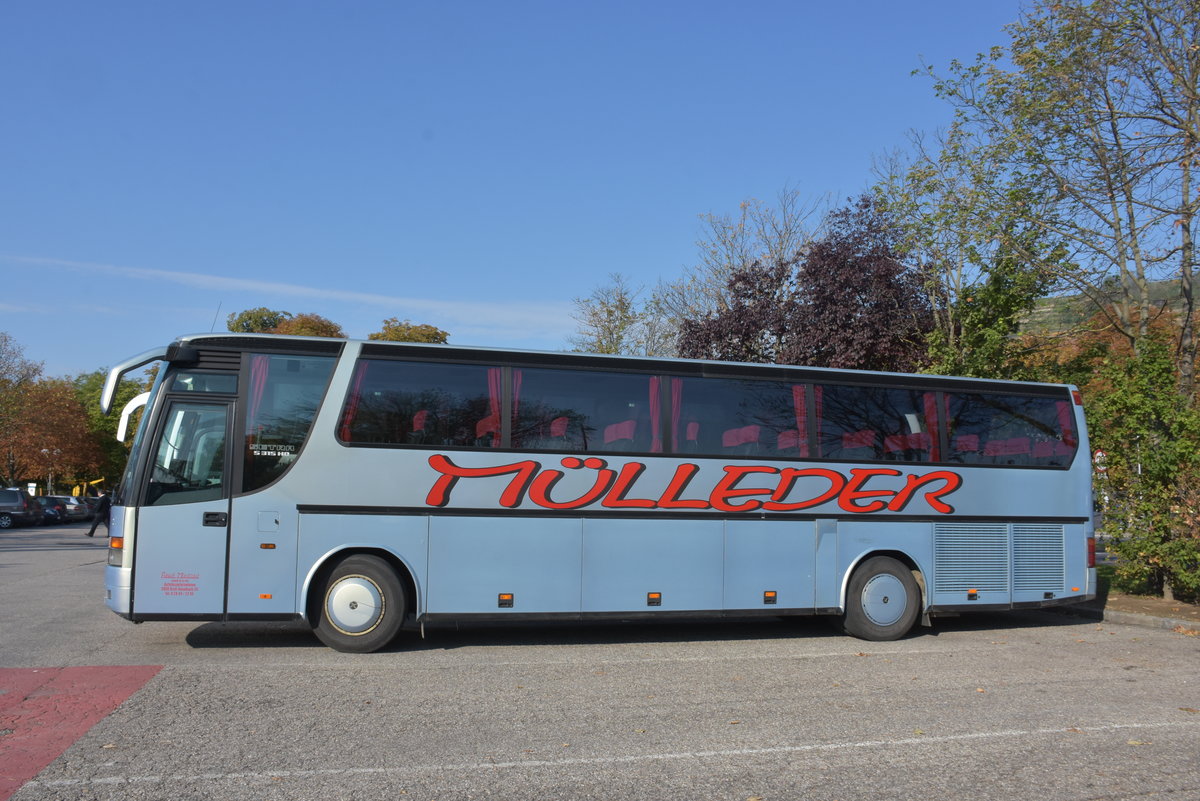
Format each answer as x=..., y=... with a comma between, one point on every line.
x=369, y=487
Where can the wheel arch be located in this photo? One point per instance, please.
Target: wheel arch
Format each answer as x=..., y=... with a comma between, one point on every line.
x=901, y=557
x=322, y=567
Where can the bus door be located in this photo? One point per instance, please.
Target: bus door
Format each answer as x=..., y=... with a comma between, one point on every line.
x=183, y=519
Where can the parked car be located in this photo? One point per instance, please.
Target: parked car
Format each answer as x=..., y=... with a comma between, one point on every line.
x=88, y=508
x=18, y=508
x=73, y=510
x=52, y=508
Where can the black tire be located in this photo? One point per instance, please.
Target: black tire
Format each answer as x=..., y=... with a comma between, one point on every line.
x=882, y=600
x=6, y=520
x=361, y=605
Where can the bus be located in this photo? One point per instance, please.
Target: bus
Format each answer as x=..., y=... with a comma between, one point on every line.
x=370, y=487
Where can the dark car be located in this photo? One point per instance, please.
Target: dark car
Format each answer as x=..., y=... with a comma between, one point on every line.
x=53, y=510
x=73, y=509
x=18, y=508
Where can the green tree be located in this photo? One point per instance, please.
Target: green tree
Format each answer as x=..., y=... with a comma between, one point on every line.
x=103, y=428
x=256, y=321
x=1151, y=489
x=1099, y=117
x=395, y=330
x=309, y=325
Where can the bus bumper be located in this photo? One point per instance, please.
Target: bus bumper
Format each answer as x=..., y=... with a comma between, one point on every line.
x=117, y=589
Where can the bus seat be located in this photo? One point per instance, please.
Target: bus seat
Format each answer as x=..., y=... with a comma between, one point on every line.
x=966, y=443
x=419, y=420
x=744, y=439
x=621, y=433
x=1051, y=448
x=487, y=431
x=788, y=440
x=907, y=447
x=1017, y=446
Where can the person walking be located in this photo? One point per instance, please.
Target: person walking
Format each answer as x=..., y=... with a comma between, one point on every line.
x=102, y=512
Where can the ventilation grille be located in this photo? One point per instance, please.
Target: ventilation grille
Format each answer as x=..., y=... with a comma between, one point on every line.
x=1039, y=563
x=969, y=556
x=998, y=557
x=218, y=359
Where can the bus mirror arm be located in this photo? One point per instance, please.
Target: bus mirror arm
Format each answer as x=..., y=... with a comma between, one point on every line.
x=114, y=375
x=131, y=407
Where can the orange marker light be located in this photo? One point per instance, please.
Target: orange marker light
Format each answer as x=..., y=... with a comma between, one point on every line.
x=266, y=596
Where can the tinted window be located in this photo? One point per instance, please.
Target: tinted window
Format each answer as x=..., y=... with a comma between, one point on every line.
x=421, y=403
x=282, y=401
x=595, y=411
x=204, y=382
x=189, y=463
x=721, y=416
x=876, y=423
x=1010, y=429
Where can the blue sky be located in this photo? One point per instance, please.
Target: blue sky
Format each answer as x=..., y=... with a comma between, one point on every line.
x=472, y=165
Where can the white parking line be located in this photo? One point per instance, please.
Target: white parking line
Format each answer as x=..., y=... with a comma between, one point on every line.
x=612, y=760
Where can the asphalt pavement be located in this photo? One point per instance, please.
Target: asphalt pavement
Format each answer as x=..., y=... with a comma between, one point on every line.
x=985, y=707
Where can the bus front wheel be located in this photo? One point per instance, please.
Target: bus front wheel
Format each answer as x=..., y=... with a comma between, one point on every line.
x=882, y=600
x=362, y=605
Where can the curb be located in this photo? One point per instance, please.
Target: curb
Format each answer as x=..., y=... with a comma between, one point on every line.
x=1126, y=618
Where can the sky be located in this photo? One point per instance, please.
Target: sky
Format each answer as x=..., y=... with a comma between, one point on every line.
x=475, y=166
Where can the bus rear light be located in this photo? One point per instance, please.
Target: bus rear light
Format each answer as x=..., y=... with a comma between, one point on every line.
x=505, y=600
x=116, y=553
x=972, y=595
x=770, y=597
x=654, y=599
x=1091, y=551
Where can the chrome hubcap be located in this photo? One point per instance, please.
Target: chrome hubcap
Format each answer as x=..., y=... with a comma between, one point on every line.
x=884, y=599
x=354, y=605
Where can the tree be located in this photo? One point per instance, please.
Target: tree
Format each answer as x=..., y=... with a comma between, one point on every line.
x=1100, y=116
x=309, y=325
x=103, y=428
x=52, y=439
x=1151, y=489
x=256, y=321
x=849, y=302
x=610, y=320
x=759, y=233
x=396, y=331
x=983, y=271
x=16, y=375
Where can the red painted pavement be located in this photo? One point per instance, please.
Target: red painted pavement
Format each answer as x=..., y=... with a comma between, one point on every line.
x=44, y=710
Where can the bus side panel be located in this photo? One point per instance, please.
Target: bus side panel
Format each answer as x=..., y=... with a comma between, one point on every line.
x=770, y=556
x=828, y=580
x=473, y=560
x=262, y=556
x=323, y=535
x=625, y=560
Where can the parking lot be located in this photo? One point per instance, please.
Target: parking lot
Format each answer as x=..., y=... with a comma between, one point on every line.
x=991, y=707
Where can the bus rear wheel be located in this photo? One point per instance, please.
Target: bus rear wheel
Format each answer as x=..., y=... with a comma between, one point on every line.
x=882, y=600
x=362, y=605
